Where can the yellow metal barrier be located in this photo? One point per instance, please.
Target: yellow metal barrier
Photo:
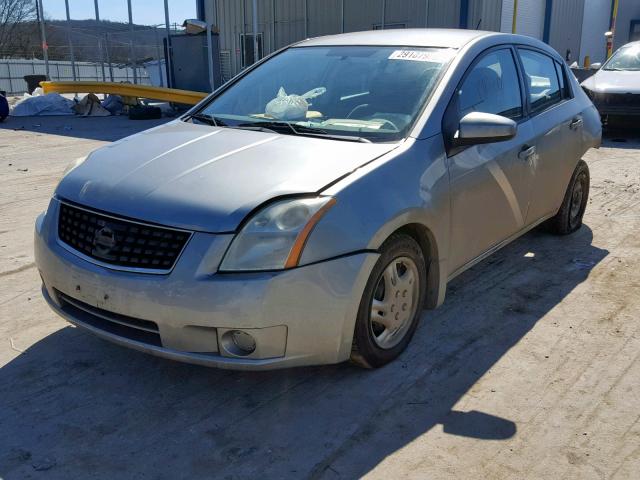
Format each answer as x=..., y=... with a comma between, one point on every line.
x=126, y=90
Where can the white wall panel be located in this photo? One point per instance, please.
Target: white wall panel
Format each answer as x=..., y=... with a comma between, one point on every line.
x=594, y=26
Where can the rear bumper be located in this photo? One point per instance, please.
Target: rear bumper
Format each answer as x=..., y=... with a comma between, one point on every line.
x=297, y=317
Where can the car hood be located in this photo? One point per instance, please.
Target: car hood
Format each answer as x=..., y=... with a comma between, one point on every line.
x=205, y=178
x=613, y=81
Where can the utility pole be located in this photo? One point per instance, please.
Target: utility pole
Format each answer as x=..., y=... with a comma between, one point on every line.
x=43, y=37
x=73, y=60
x=95, y=7
x=131, y=42
x=612, y=29
x=168, y=29
x=515, y=16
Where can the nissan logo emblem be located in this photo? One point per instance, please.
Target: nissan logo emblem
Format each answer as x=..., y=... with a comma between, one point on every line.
x=104, y=240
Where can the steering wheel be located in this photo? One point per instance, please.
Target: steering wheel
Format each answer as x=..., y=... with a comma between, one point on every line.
x=385, y=121
x=356, y=108
x=394, y=127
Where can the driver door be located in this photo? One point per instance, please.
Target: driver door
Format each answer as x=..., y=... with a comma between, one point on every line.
x=490, y=183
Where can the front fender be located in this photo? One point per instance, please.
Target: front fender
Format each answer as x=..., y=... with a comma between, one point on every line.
x=408, y=186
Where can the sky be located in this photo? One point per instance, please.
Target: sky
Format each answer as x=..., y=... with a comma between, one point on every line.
x=145, y=12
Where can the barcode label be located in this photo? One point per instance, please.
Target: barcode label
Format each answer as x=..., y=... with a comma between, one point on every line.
x=422, y=55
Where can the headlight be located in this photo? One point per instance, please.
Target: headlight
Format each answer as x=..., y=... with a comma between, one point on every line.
x=73, y=164
x=590, y=93
x=273, y=239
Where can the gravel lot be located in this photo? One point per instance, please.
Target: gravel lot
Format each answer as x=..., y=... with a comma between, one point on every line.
x=531, y=369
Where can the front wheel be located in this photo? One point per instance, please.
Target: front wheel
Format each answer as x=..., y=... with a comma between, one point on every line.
x=391, y=304
x=569, y=217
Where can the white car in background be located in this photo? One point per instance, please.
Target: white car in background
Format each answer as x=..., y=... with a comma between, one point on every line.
x=615, y=88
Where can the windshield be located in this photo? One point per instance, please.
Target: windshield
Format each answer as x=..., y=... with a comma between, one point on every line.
x=627, y=58
x=372, y=93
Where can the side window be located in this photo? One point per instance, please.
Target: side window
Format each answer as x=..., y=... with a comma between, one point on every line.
x=542, y=78
x=492, y=86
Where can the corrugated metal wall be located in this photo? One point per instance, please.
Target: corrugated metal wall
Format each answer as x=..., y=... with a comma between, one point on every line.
x=566, y=27
x=594, y=26
x=627, y=11
x=444, y=14
x=325, y=17
x=484, y=14
x=530, y=17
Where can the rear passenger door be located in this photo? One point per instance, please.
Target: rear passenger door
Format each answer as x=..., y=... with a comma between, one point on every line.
x=557, y=123
x=490, y=183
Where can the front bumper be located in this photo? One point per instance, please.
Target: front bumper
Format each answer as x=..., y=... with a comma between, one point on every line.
x=297, y=317
x=619, y=104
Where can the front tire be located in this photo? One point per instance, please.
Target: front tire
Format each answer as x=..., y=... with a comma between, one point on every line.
x=569, y=217
x=391, y=304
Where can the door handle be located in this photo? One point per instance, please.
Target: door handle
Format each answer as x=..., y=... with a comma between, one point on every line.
x=575, y=123
x=527, y=152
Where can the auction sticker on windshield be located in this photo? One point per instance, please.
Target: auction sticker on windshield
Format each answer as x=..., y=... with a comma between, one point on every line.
x=422, y=55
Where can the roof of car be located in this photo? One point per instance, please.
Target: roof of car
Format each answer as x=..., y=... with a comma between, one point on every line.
x=419, y=37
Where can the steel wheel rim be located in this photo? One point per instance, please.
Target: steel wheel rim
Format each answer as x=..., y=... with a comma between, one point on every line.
x=394, y=303
x=576, y=200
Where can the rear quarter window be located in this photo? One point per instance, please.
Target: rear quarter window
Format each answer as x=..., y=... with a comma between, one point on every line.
x=565, y=89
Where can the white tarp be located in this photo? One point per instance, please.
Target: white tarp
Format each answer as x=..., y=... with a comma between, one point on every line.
x=39, y=104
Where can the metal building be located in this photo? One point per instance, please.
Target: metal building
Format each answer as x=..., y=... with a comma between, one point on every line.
x=627, y=22
x=575, y=28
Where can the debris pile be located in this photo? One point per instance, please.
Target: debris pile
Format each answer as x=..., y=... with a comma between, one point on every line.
x=41, y=104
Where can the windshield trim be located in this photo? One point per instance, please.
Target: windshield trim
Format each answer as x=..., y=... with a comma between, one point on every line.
x=203, y=104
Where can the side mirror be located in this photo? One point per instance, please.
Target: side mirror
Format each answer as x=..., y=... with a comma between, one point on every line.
x=478, y=127
x=596, y=66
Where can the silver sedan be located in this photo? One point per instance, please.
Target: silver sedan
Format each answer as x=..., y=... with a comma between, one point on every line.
x=311, y=208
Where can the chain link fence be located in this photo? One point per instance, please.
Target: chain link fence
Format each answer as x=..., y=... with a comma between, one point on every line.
x=82, y=50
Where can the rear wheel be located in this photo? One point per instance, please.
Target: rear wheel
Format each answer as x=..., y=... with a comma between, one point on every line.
x=391, y=304
x=569, y=217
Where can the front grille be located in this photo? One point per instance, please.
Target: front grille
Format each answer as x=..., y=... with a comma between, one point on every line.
x=121, y=325
x=120, y=242
x=620, y=99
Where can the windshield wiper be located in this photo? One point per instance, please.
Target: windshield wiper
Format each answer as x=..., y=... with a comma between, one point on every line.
x=255, y=128
x=301, y=130
x=208, y=119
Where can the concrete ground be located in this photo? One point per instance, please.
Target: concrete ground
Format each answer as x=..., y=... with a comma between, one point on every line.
x=531, y=368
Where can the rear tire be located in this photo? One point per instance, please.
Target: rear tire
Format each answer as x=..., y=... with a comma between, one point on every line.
x=569, y=217
x=144, y=112
x=391, y=304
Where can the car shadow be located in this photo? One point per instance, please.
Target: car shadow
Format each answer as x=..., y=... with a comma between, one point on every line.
x=107, y=129
x=73, y=405
x=621, y=133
